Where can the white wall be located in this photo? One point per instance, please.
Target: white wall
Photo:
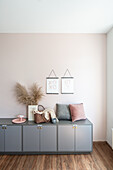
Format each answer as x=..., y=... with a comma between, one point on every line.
x=109, y=86
x=56, y=16
x=29, y=58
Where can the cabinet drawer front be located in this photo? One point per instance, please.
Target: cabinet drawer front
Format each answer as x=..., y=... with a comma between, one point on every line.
x=48, y=139
x=30, y=138
x=83, y=138
x=65, y=138
x=13, y=138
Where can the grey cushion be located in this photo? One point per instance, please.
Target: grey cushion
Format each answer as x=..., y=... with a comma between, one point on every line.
x=63, y=112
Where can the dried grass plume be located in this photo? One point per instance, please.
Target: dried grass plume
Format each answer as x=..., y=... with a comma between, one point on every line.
x=31, y=97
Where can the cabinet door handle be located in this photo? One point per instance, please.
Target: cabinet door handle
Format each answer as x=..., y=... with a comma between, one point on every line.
x=4, y=126
x=39, y=127
x=75, y=127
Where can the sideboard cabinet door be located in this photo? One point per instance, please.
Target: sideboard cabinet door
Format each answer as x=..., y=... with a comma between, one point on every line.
x=65, y=138
x=30, y=138
x=83, y=138
x=13, y=138
x=48, y=139
x=1, y=139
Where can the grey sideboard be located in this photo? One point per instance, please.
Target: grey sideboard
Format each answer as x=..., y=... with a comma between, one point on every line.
x=64, y=137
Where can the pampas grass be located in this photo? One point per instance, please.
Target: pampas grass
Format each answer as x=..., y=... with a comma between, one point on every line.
x=31, y=97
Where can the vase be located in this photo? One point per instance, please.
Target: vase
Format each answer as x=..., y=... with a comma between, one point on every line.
x=31, y=108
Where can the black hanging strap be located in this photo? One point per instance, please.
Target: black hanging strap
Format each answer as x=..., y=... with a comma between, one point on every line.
x=67, y=71
x=52, y=71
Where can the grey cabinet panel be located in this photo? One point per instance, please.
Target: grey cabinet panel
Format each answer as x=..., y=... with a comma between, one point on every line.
x=48, y=140
x=13, y=138
x=83, y=138
x=1, y=139
x=30, y=138
x=65, y=138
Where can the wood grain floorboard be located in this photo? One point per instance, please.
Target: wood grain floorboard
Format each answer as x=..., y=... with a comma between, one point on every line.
x=100, y=159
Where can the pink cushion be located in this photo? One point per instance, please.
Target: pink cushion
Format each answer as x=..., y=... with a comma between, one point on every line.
x=77, y=112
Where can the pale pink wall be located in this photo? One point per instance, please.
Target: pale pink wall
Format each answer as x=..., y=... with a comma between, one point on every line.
x=29, y=58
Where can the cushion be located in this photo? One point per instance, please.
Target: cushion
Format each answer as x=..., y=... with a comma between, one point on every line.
x=77, y=112
x=63, y=112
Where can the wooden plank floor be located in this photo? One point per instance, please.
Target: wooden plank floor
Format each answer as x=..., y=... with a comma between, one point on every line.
x=100, y=159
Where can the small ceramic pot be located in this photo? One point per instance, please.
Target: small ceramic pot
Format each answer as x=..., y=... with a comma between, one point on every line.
x=20, y=117
x=54, y=120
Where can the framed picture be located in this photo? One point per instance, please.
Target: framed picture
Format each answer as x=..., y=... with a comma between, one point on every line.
x=67, y=85
x=52, y=85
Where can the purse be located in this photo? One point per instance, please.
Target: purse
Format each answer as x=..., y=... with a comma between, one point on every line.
x=40, y=117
